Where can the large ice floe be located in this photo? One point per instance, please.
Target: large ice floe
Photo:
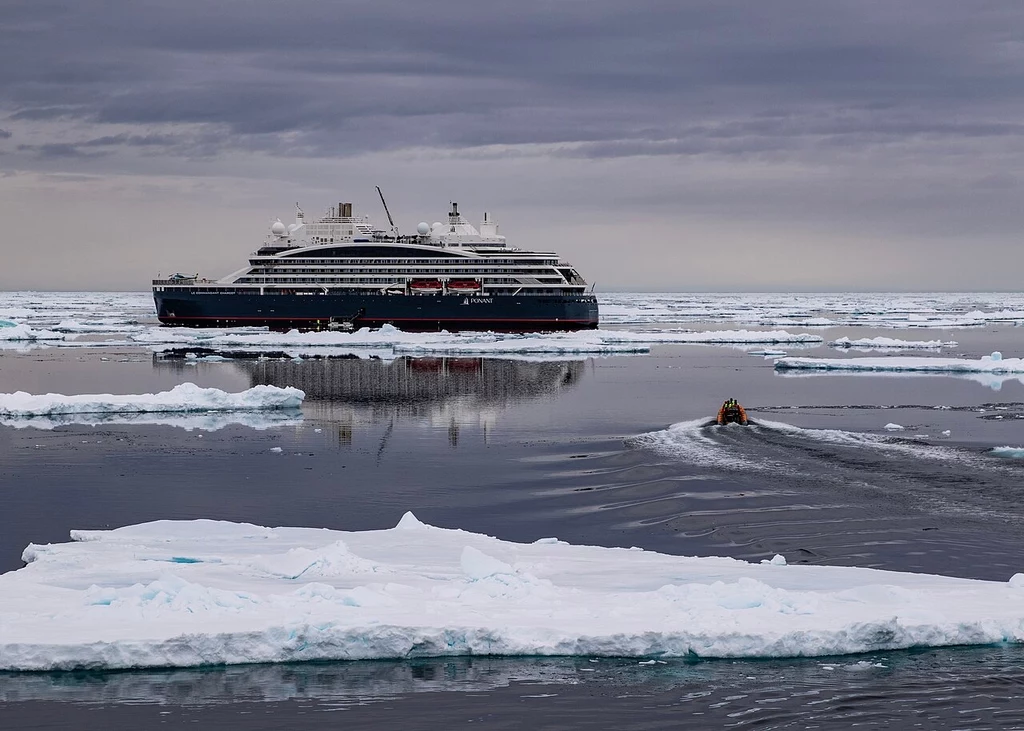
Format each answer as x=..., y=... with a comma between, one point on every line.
x=186, y=397
x=188, y=593
x=994, y=363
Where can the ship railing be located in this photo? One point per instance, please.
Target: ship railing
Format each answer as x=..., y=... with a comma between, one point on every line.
x=184, y=281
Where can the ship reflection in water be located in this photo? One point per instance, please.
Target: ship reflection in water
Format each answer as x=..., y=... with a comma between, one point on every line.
x=452, y=392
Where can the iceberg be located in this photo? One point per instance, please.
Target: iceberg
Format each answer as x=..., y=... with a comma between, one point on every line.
x=994, y=363
x=185, y=397
x=204, y=592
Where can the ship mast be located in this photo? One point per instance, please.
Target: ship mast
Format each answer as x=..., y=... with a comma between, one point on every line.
x=394, y=228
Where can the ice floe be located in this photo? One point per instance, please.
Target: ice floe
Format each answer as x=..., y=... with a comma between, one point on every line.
x=881, y=310
x=881, y=343
x=111, y=326
x=1011, y=452
x=189, y=593
x=186, y=397
x=994, y=363
x=207, y=421
x=25, y=333
x=596, y=342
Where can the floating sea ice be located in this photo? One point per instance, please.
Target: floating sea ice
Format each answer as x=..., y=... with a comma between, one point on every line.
x=894, y=427
x=74, y=326
x=994, y=363
x=186, y=593
x=276, y=449
x=186, y=397
x=891, y=344
x=24, y=332
x=189, y=421
x=1011, y=452
x=464, y=343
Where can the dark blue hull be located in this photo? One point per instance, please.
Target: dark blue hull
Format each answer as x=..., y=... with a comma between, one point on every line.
x=196, y=307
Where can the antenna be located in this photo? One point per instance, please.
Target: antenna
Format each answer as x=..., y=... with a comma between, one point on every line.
x=394, y=228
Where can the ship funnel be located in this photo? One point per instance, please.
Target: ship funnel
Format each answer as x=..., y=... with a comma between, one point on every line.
x=488, y=228
x=345, y=210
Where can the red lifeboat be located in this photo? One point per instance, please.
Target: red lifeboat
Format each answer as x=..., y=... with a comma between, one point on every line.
x=425, y=286
x=463, y=286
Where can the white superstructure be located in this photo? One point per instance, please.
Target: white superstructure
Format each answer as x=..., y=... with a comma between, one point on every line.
x=344, y=252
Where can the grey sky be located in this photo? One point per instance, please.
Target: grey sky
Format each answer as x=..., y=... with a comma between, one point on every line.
x=811, y=144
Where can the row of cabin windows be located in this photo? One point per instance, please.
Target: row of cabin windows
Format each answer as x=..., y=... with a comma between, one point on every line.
x=423, y=262
x=377, y=281
x=432, y=272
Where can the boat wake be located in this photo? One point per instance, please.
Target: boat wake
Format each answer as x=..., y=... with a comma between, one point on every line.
x=945, y=479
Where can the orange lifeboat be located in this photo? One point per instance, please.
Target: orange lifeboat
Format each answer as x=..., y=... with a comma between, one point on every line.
x=463, y=286
x=425, y=286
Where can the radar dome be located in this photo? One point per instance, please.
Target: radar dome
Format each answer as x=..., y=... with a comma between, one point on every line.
x=278, y=228
x=423, y=228
x=293, y=227
x=435, y=226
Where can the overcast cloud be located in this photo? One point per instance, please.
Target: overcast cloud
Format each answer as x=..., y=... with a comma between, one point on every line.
x=804, y=144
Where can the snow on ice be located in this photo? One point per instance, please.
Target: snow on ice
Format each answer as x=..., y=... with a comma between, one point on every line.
x=24, y=332
x=599, y=342
x=891, y=344
x=994, y=363
x=188, y=593
x=185, y=397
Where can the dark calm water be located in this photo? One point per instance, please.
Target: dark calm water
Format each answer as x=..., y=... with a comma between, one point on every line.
x=524, y=450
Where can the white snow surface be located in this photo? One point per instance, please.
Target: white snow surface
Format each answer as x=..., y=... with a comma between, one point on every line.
x=597, y=342
x=185, y=397
x=857, y=309
x=26, y=333
x=881, y=343
x=189, y=593
x=908, y=364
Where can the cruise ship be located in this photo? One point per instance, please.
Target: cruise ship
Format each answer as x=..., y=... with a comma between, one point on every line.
x=339, y=272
